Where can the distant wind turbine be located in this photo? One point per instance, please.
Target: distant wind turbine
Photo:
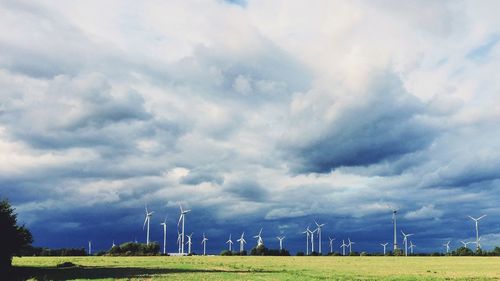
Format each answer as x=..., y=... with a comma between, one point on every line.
x=242, y=242
x=147, y=221
x=350, y=245
x=182, y=218
x=447, y=246
x=384, y=245
x=281, y=241
x=113, y=245
x=307, y=240
x=311, y=235
x=259, y=238
x=230, y=242
x=179, y=240
x=319, y=226
x=465, y=243
x=90, y=247
x=405, y=241
x=189, y=243
x=343, y=246
x=477, y=230
x=204, y=242
x=411, y=247
x=331, y=243
x=164, y=224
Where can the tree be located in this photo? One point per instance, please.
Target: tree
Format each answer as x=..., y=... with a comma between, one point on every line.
x=13, y=238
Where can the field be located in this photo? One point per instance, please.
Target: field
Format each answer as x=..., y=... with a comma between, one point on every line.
x=260, y=268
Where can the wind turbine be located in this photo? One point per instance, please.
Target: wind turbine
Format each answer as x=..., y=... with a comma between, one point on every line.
x=90, y=247
x=465, y=243
x=242, y=242
x=395, y=243
x=350, y=245
x=230, y=242
x=164, y=224
x=311, y=234
x=405, y=241
x=281, y=241
x=307, y=240
x=147, y=220
x=411, y=247
x=331, y=243
x=447, y=245
x=189, y=243
x=183, y=219
x=179, y=240
x=204, y=242
x=384, y=245
x=113, y=245
x=343, y=247
x=477, y=230
x=259, y=238
x=319, y=234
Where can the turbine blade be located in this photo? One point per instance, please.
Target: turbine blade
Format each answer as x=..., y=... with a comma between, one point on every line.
x=481, y=217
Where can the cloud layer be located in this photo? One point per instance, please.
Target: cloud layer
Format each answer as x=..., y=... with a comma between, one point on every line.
x=252, y=114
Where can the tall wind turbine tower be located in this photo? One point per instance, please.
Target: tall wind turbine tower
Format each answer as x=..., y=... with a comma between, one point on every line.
x=164, y=224
x=331, y=243
x=147, y=221
x=319, y=234
x=311, y=234
x=90, y=247
x=281, y=241
x=242, y=242
x=179, y=240
x=395, y=243
x=477, y=230
x=307, y=240
x=183, y=219
x=204, y=242
x=189, y=243
x=343, y=247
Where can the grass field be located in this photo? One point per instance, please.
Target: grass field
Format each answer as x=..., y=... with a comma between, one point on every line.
x=260, y=268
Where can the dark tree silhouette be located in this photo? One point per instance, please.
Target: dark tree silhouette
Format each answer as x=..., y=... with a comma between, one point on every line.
x=12, y=237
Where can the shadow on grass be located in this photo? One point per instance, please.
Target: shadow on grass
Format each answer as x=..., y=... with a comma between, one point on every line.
x=91, y=272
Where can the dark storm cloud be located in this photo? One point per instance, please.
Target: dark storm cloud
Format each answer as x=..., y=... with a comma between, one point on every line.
x=382, y=128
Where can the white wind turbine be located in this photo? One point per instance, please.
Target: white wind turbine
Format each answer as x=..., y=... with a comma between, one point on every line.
x=204, y=242
x=230, y=242
x=183, y=219
x=331, y=243
x=411, y=247
x=343, y=246
x=319, y=226
x=242, y=242
x=447, y=246
x=307, y=240
x=384, y=245
x=179, y=240
x=311, y=235
x=147, y=221
x=405, y=241
x=164, y=224
x=477, y=230
x=350, y=245
x=90, y=247
x=259, y=238
x=281, y=241
x=465, y=243
x=113, y=245
x=189, y=243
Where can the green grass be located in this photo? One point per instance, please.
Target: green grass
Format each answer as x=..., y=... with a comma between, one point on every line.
x=259, y=268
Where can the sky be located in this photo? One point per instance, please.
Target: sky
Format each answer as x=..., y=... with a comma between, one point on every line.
x=251, y=114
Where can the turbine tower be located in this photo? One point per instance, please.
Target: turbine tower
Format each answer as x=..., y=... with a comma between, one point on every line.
x=350, y=245
x=147, y=221
x=384, y=245
x=113, y=245
x=331, y=244
x=319, y=226
x=447, y=246
x=164, y=224
x=179, y=240
x=411, y=247
x=311, y=234
x=395, y=243
x=183, y=219
x=478, y=246
x=204, y=242
x=189, y=243
x=343, y=247
x=259, y=238
x=90, y=247
x=405, y=241
x=242, y=242
x=307, y=240
x=230, y=242
x=281, y=241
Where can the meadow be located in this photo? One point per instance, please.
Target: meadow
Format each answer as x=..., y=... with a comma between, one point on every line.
x=259, y=268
